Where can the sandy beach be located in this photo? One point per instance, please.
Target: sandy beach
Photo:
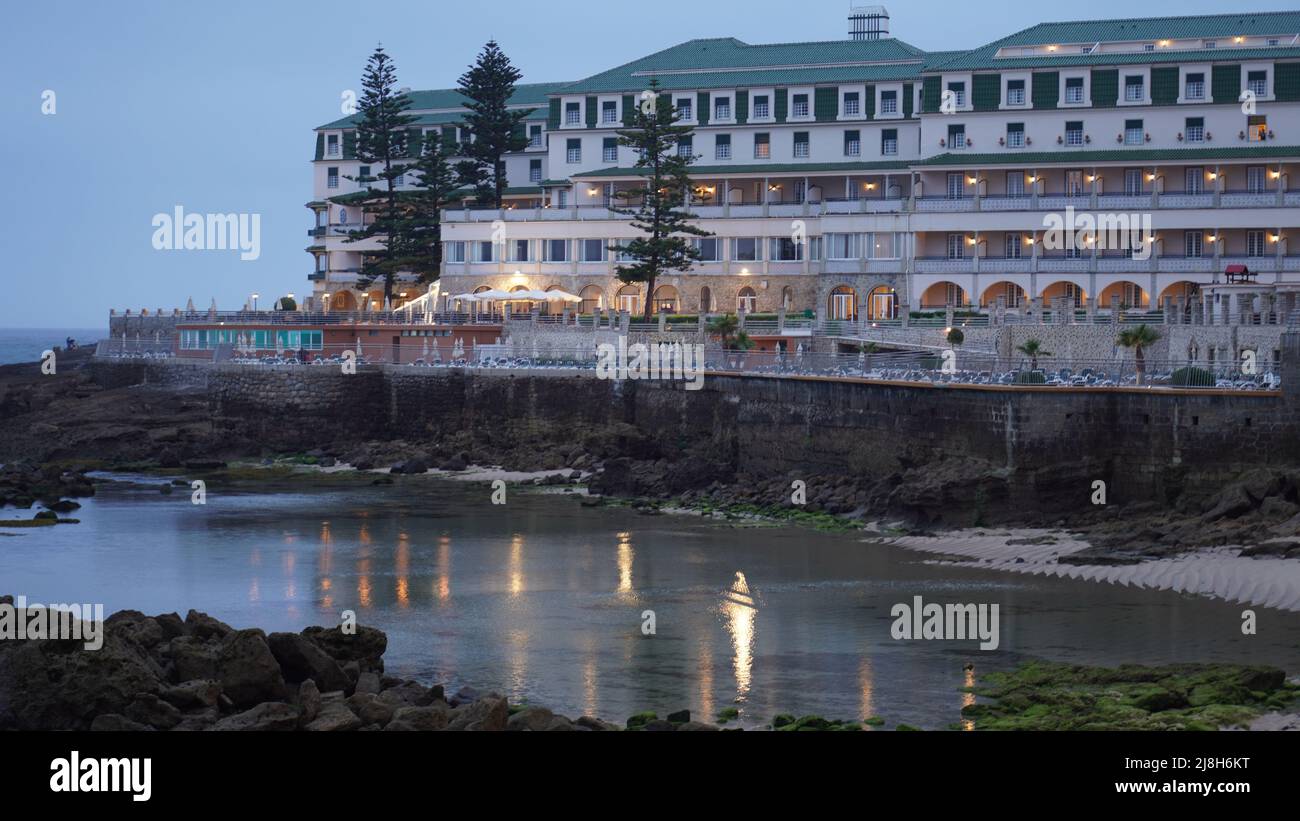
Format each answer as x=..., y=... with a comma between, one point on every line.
x=1220, y=573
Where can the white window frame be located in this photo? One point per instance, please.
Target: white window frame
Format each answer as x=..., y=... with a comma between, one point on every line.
x=1085, y=98
x=618, y=104
x=579, y=114
x=844, y=92
x=754, y=116
x=1256, y=243
x=1203, y=69
x=1026, y=101
x=897, y=113
x=721, y=150
x=1144, y=74
x=691, y=100
x=791, y=114
x=1267, y=68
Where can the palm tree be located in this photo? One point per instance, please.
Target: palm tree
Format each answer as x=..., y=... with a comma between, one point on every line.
x=727, y=329
x=1033, y=349
x=1143, y=336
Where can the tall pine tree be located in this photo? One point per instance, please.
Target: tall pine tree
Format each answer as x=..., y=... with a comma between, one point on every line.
x=662, y=213
x=382, y=144
x=434, y=188
x=495, y=131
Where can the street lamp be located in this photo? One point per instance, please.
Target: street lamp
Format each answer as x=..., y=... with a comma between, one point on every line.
x=255, y=296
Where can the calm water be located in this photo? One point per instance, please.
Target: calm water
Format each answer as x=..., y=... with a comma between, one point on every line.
x=542, y=599
x=26, y=344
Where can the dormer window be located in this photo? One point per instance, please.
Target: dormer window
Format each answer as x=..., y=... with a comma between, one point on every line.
x=722, y=108
x=609, y=112
x=1211, y=43
x=799, y=106
x=762, y=107
x=331, y=145
x=1195, y=87
x=852, y=104
x=572, y=113
x=889, y=102
x=685, y=111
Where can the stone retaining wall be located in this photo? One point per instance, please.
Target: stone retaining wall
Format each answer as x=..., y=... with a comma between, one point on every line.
x=1145, y=444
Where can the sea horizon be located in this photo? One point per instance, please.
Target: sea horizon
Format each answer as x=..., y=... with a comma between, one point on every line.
x=19, y=345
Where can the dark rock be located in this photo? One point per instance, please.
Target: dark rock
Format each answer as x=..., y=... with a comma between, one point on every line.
x=334, y=717
x=247, y=670
x=535, y=719
x=419, y=719
x=171, y=625
x=370, y=708
x=488, y=714
x=301, y=659
x=151, y=710
x=680, y=717
x=366, y=646
x=197, y=693
x=193, y=658
x=266, y=717
x=464, y=695
x=454, y=464
x=114, y=723
x=309, y=700
x=203, y=626
x=368, y=682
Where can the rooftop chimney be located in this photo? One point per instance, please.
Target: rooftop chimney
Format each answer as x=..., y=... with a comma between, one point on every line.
x=868, y=23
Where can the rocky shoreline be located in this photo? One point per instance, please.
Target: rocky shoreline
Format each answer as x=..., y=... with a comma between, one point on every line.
x=165, y=673
x=57, y=428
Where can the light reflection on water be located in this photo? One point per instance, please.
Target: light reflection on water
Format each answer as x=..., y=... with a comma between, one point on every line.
x=542, y=599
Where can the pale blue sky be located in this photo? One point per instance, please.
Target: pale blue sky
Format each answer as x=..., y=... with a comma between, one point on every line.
x=211, y=107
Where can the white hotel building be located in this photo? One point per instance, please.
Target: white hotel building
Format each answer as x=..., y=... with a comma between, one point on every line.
x=921, y=180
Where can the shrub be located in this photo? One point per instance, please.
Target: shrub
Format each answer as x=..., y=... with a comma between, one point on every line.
x=1191, y=377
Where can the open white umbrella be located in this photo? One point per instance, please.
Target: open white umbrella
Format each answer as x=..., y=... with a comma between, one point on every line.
x=562, y=296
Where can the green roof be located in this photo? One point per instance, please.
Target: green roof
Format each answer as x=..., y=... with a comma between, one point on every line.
x=1134, y=155
x=1088, y=32
x=726, y=62
x=447, y=105
x=697, y=171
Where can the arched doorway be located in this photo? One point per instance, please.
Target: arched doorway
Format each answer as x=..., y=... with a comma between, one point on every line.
x=882, y=303
x=943, y=294
x=843, y=303
x=665, y=300
x=342, y=301
x=1131, y=296
x=747, y=300
x=592, y=298
x=787, y=298
x=629, y=299
x=706, y=300
x=1012, y=294
x=1069, y=290
x=1187, y=291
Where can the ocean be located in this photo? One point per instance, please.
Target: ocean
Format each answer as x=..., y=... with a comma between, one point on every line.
x=26, y=344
